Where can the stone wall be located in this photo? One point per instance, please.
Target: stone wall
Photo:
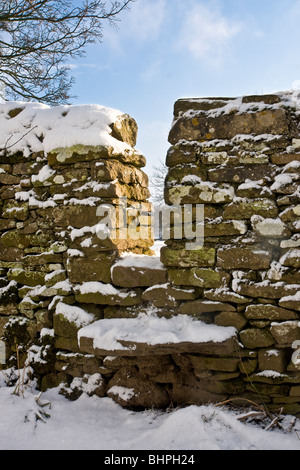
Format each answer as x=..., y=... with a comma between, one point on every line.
x=107, y=316
x=240, y=158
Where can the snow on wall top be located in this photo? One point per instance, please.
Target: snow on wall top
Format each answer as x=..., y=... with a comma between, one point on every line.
x=242, y=104
x=36, y=127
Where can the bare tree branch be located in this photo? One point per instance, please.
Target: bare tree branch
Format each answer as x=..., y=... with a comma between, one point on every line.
x=38, y=37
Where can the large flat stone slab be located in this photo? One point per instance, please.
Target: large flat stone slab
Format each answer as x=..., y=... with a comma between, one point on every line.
x=148, y=335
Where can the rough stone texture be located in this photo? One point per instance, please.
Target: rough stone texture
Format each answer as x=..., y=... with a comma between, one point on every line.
x=243, y=156
x=60, y=272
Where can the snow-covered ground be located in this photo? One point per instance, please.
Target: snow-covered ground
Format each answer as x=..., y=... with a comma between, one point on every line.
x=93, y=423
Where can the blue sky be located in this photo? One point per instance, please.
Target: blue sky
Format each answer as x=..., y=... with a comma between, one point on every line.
x=169, y=49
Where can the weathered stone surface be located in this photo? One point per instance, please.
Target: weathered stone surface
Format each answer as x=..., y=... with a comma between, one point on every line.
x=81, y=153
x=243, y=258
x=235, y=319
x=214, y=363
x=290, y=301
x=228, y=126
x=137, y=276
x=225, y=295
x=197, y=307
x=205, y=104
x=125, y=129
x=225, y=348
x=286, y=333
x=269, y=312
x=21, y=240
x=204, y=257
x=237, y=174
x=285, y=158
x=75, y=216
x=254, y=338
x=265, y=289
x=245, y=208
x=273, y=359
x=192, y=395
x=291, y=258
x=106, y=294
x=110, y=170
x=91, y=269
x=28, y=278
x=15, y=210
x=270, y=228
x=130, y=389
x=198, y=277
x=201, y=193
x=187, y=153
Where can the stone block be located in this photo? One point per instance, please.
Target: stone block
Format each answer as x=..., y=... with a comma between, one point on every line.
x=273, y=359
x=226, y=126
x=235, y=319
x=244, y=208
x=138, y=276
x=199, y=277
x=90, y=269
x=285, y=333
x=204, y=257
x=269, y=312
x=253, y=338
x=243, y=258
x=200, y=193
x=197, y=307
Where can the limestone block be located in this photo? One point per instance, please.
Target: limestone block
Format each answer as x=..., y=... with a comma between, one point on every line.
x=225, y=295
x=285, y=158
x=20, y=239
x=10, y=253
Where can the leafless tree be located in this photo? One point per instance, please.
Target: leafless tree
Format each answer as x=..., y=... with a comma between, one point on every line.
x=39, y=37
x=157, y=183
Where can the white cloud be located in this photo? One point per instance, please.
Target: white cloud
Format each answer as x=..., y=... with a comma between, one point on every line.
x=146, y=19
x=142, y=23
x=206, y=33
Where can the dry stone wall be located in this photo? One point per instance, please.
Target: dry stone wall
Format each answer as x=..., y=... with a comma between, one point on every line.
x=104, y=314
x=240, y=159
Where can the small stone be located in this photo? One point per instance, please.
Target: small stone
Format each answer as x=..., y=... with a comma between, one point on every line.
x=269, y=312
x=254, y=338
